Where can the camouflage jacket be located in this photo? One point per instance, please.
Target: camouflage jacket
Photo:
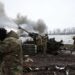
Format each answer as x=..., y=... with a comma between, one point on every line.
x=12, y=54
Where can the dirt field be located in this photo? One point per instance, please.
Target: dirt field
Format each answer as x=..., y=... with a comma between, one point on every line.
x=42, y=62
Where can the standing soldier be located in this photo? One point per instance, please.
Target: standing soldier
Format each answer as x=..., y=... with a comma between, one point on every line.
x=39, y=43
x=74, y=40
x=73, y=44
x=11, y=49
x=44, y=43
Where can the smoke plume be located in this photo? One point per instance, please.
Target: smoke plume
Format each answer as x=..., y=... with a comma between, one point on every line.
x=2, y=12
x=6, y=22
x=41, y=27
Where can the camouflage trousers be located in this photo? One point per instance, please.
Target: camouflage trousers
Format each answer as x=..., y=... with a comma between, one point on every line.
x=11, y=67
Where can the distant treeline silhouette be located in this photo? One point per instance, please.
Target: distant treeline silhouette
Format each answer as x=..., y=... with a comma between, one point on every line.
x=66, y=31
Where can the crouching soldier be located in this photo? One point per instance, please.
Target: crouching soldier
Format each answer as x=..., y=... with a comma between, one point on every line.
x=10, y=47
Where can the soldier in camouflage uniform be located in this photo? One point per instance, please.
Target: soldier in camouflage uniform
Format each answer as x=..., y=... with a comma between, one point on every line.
x=11, y=49
x=44, y=43
x=39, y=43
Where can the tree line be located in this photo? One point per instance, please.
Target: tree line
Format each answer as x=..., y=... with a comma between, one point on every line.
x=66, y=31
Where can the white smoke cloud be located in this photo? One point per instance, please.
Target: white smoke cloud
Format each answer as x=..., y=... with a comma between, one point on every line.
x=2, y=12
x=6, y=22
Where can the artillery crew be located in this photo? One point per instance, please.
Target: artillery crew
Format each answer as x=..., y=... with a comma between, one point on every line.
x=41, y=42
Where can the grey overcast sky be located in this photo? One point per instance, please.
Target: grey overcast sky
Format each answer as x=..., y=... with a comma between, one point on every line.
x=55, y=13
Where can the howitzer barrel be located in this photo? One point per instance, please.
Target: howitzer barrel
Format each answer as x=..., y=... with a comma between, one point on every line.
x=24, y=30
x=30, y=34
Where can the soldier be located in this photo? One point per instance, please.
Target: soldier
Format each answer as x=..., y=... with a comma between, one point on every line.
x=74, y=40
x=73, y=44
x=39, y=43
x=44, y=43
x=11, y=49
